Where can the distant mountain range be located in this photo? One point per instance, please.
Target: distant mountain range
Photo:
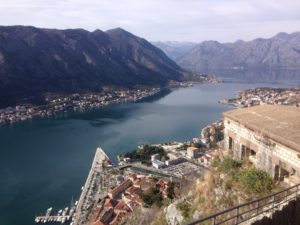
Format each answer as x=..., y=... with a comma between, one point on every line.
x=174, y=49
x=34, y=61
x=279, y=52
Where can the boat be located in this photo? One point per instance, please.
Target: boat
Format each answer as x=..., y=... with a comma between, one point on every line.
x=48, y=212
x=59, y=212
x=37, y=220
x=65, y=211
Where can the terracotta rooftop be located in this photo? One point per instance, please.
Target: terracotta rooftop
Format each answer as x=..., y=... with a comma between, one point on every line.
x=120, y=186
x=132, y=190
x=110, y=203
x=134, y=198
x=119, y=216
x=280, y=123
x=98, y=222
x=122, y=206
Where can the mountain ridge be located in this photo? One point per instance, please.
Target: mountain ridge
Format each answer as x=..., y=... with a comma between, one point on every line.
x=38, y=60
x=280, y=51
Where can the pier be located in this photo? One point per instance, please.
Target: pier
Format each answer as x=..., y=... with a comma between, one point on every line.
x=92, y=191
x=59, y=219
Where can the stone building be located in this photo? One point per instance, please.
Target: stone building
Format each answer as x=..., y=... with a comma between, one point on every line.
x=269, y=136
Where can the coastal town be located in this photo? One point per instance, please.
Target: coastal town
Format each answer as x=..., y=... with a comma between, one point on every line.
x=150, y=175
x=58, y=103
x=265, y=95
x=157, y=174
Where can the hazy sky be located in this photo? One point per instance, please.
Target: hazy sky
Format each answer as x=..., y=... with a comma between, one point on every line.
x=173, y=20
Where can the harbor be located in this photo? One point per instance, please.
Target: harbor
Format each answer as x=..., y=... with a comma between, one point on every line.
x=77, y=213
x=62, y=216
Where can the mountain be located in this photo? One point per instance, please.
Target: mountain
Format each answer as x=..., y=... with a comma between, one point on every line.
x=34, y=61
x=279, y=52
x=174, y=49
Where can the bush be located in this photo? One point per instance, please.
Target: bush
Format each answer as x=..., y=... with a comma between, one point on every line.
x=215, y=162
x=255, y=181
x=144, y=155
x=152, y=197
x=186, y=209
x=160, y=220
x=228, y=164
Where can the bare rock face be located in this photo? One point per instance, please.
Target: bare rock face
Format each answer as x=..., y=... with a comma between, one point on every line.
x=173, y=215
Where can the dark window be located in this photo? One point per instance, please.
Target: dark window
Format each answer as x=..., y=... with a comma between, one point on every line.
x=231, y=143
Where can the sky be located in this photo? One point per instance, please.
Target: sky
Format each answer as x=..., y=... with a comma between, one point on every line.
x=161, y=20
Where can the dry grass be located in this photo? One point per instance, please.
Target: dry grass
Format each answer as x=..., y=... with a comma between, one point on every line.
x=142, y=216
x=161, y=219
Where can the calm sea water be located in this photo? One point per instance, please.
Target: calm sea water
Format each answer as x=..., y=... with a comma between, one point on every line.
x=44, y=162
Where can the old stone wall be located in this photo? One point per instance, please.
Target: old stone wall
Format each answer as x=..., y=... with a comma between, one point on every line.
x=268, y=152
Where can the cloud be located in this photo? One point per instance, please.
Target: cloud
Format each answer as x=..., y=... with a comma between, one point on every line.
x=189, y=20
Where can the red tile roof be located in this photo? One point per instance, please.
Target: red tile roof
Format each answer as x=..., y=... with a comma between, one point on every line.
x=110, y=203
x=121, y=206
x=120, y=186
x=132, y=190
x=98, y=222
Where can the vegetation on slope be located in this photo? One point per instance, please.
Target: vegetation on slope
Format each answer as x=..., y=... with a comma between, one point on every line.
x=144, y=154
x=231, y=182
x=35, y=61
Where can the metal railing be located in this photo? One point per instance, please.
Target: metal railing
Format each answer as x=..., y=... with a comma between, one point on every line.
x=249, y=210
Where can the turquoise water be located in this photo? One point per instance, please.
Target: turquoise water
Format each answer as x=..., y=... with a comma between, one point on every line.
x=44, y=162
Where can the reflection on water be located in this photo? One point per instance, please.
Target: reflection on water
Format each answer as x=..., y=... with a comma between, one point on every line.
x=258, y=76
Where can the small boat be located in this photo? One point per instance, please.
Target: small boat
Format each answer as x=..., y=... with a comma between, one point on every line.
x=59, y=212
x=48, y=212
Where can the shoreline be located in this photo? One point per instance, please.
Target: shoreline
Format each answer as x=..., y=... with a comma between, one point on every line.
x=57, y=105
x=60, y=103
x=264, y=95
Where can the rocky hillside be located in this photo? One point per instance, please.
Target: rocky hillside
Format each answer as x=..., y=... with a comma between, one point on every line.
x=34, y=61
x=279, y=52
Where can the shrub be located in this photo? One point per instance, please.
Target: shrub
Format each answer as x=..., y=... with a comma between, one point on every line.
x=255, y=181
x=152, y=197
x=144, y=155
x=228, y=164
x=186, y=209
x=215, y=162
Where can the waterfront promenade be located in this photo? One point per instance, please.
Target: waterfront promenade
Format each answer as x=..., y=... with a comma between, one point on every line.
x=91, y=188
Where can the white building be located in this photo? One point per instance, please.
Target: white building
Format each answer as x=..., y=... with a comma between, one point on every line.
x=155, y=157
x=192, y=152
x=158, y=164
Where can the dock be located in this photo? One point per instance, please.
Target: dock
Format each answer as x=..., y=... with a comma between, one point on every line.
x=59, y=219
x=92, y=191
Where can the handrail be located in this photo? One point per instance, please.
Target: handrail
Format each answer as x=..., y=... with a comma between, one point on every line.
x=273, y=203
